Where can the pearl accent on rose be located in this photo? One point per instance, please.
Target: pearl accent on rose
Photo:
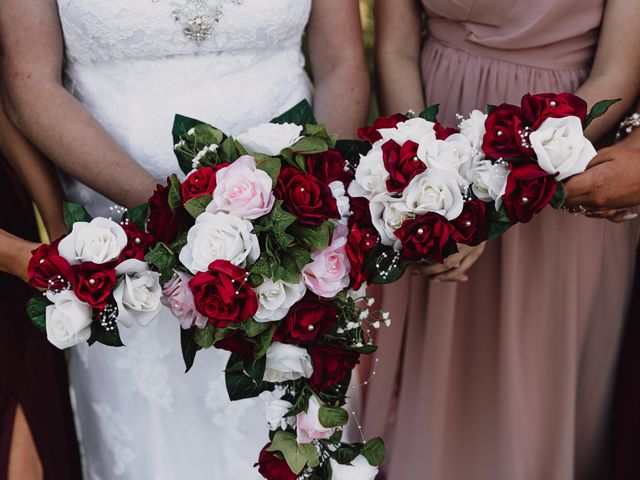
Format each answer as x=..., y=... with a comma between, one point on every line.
x=137, y=241
x=311, y=328
x=302, y=189
x=92, y=281
x=416, y=159
x=525, y=199
x=499, y=133
x=421, y=231
x=41, y=261
x=553, y=103
x=468, y=223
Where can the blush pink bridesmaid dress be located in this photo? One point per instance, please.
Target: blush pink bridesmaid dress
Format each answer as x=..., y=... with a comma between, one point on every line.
x=506, y=377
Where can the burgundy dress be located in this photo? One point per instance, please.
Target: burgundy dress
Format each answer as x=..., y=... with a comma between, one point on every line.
x=32, y=372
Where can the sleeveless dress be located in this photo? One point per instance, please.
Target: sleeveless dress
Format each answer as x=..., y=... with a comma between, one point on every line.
x=32, y=371
x=134, y=64
x=506, y=377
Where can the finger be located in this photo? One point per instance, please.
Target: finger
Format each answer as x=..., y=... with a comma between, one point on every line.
x=429, y=269
x=457, y=274
x=604, y=155
x=622, y=217
x=577, y=187
x=602, y=213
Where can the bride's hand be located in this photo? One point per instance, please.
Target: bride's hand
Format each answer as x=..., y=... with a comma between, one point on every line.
x=455, y=267
x=15, y=254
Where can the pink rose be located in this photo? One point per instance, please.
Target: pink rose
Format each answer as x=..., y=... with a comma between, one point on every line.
x=328, y=273
x=308, y=424
x=243, y=190
x=179, y=299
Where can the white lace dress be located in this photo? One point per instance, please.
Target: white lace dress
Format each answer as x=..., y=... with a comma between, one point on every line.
x=134, y=64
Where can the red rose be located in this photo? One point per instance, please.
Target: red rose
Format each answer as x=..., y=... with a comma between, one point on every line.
x=48, y=270
x=223, y=295
x=331, y=366
x=537, y=108
x=307, y=320
x=200, y=182
x=529, y=190
x=330, y=166
x=442, y=133
x=503, y=129
x=360, y=213
x=402, y=163
x=138, y=242
x=360, y=242
x=306, y=197
x=372, y=135
x=429, y=236
x=235, y=342
x=94, y=283
x=164, y=224
x=472, y=226
x=273, y=468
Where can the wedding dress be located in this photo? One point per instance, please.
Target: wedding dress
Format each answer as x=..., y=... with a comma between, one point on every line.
x=134, y=64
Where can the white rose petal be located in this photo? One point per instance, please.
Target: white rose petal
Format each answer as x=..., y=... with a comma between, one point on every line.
x=287, y=362
x=488, y=181
x=474, y=128
x=99, y=241
x=561, y=147
x=454, y=154
x=342, y=200
x=416, y=130
x=139, y=294
x=388, y=214
x=358, y=470
x=434, y=191
x=68, y=320
x=276, y=298
x=275, y=409
x=219, y=236
x=371, y=175
x=270, y=138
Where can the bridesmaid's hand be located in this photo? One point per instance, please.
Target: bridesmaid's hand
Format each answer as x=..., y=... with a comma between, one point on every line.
x=455, y=267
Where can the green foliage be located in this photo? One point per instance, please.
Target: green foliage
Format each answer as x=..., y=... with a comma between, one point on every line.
x=100, y=334
x=73, y=213
x=36, y=308
x=197, y=205
x=163, y=259
x=598, y=110
x=300, y=114
x=351, y=150
x=203, y=135
x=381, y=260
x=138, y=216
x=231, y=150
x=189, y=346
x=431, y=113
x=374, y=451
x=309, y=146
x=331, y=417
x=204, y=338
x=175, y=196
x=499, y=223
x=244, y=376
x=297, y=456
x=313, y=238
x=270, y=165
x=557, y=201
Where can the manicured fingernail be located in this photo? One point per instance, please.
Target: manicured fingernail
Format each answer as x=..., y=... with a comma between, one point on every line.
x=630, y=216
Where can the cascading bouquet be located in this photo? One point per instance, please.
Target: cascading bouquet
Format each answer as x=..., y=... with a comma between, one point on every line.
x=422, y=189
x=93, y=279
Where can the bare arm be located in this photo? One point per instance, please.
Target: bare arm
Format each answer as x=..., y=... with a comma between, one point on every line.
x=36, y=174
x=398, y=47
x=49, y=116
x=15, y=254
x=339, y=67
x=616, y=68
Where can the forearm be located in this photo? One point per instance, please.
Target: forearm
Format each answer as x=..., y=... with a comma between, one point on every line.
x=399, y=83
x=342, y=99
x=67, y=134
x=15, y=254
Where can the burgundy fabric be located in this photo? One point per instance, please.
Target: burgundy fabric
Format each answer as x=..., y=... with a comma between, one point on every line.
x=626, y=407
x=32, y=372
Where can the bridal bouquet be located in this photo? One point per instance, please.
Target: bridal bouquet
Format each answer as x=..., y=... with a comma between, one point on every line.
x=423, y=189
x=93, y=279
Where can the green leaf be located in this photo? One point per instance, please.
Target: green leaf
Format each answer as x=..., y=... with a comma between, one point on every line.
x=197, y=205
x=310, y=453
x=331, y=417
x=296, y=457
x=499, y=222
x=73, y=213
x=163, y=259
x=175, y=198
x=380, y=266
x=280, y=219
x=36, y=309
x=189, y=347
x=253, y=328
x=205, y=338
x=347, y=454
x=351, y=150
x=491, y=109
x=317, y=238
x=598, y=110
x=301, y=404
x=300, y=114
x=244, y=377
x=309, y=146
x=431, y=113
x=232, y=150
x=557, y=201
x=181, y=125
x=270, y=165
x=138, y=216
x=374, y=451
x=265, y=340
x=100, y=334
x=179, y=242
x=293, y=261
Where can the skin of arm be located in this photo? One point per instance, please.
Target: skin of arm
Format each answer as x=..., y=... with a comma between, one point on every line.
x=339, y=67
x=15, y=254
x=36, y=101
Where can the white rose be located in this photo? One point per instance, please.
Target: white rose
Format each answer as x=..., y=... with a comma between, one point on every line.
x=489, y=181
x=561, y=147
x=68, y=320
x=388, y=214
x=139, y=294
x=270, y=138
x=276, y=298
x=434, y=191
x=371, y=176
x=342, y=200
x=99, y=241
x=453, y=154
x=219, y=236
x=416, y=130
x=287, y=362
x=358, y=470
x=474, y=128
x=275, y=409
